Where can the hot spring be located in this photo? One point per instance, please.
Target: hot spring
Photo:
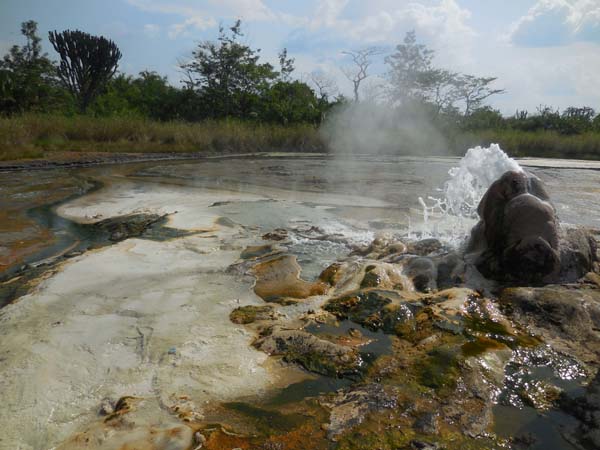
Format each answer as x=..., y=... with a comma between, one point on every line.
x=276, y=301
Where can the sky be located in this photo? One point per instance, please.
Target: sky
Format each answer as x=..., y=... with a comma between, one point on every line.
x=544, y=52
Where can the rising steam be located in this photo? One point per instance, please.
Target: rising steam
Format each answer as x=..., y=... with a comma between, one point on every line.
x=370, y=128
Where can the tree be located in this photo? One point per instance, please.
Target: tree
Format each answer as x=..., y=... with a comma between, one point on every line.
x=474, y=90
x=325, y=85
x=291, y=102
x=358, y=71
x=411, y=73
x=27, y=80
x=286, y=65
x=414, y=79
x=87, y=63
x=228, y=75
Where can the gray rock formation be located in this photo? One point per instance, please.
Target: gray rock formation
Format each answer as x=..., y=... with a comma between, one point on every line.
x=519, y=239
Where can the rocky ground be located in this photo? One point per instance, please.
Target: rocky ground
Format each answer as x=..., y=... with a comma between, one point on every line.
x=397, y=344
x=449, y=355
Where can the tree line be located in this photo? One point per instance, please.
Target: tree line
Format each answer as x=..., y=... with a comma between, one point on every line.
x=226, y=78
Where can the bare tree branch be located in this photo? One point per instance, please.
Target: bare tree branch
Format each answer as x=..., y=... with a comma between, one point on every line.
x=358, y=72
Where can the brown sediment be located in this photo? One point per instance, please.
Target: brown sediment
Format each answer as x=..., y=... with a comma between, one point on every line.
x=279, y=278
x=21, y=235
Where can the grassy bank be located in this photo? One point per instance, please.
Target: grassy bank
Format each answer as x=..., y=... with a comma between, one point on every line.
x=543, y=144
x=35, y=136
x=38, y=136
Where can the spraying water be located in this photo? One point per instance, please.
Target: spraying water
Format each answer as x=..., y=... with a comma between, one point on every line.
x=450, y=216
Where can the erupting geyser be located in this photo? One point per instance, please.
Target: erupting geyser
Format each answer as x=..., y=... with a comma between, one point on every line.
x=518, y=236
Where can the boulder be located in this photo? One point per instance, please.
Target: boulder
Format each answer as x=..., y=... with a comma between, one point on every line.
x=314, y=354
x=518, y=238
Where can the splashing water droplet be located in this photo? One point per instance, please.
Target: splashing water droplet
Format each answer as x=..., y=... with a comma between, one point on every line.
x=446, y=217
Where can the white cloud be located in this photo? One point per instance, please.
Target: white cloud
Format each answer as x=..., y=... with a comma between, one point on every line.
x=151, y=30
x=555, y=60
x=557, y=22
x=198, y=23
x=555, y=76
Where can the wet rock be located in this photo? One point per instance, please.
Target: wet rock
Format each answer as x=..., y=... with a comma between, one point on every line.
x=349, y=408
x=383, y=245
x=427, y=423
x=540, y=395
x=331, y=275
x=225, y=222
x=424, y=247
x=518, y=238
x=314, y=354
x=279, y=278
x=423, y=273
x=355, y=333
x=259, y=251
x=450, y=271
x=384, y=276
x=587, y=409
x=566, y=317
x=278, y=234
x=376, y=310
x=578, y=253
x=124, y=227
x=249, y=314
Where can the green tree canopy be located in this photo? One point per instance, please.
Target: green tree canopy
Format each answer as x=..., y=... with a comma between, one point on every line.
x=27, y=76
x=228, y=74
x=87, y=63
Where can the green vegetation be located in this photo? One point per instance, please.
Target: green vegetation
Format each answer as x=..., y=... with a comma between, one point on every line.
x=33, y=135
x=232, y=101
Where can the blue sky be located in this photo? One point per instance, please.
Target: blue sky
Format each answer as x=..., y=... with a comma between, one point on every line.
x=542, y=51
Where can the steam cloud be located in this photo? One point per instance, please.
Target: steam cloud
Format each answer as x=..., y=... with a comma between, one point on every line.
x=373, y=129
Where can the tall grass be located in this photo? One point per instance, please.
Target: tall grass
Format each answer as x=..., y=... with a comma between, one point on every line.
x=31, y=135
x=546, y=144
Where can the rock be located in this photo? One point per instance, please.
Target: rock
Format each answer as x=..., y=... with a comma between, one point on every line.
x=279, y=279
x=314, y=354
x=384, y=276
x=259, y=251
x=518, y=238
x=331, y=275
x=106, y=407
x=278, y=234
x=427, y=423
x=568, y=318
x=124, y=227
x=349, y=408
x=587, y=409
x=450, y=270
x=383, y=245
x=249, y=314
x=423, y=273
x=578, y=253
x=355, y=333
x=376, y=310
x=424, y=247
x=199, y=440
